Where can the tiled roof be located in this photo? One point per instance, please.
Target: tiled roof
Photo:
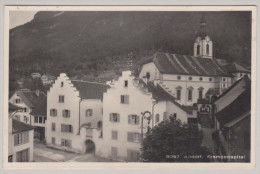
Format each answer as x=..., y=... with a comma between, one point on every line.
x=30, y=98
x=160, y=94
x=40, y=108
x=188, y=65
x=213, y=91
x=13, y=108
x=238, y=107
x=234, y=67
x=90, y=90
x=20, y=126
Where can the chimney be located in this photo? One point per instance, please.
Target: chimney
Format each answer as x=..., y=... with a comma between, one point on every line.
x=37, y=92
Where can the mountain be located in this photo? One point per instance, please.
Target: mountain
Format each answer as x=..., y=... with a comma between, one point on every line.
x=84, y=42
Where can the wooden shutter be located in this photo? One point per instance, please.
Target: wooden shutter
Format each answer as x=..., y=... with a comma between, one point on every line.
x=15, y=139
x=71, y=128
x=110, y=117
x=138, y=119
x=68, y=113
x=25, y=137
x=62, y=128
x=129, y=119
x=127, y=99
x=130, y=136
x=122, y=99
x=118, y=117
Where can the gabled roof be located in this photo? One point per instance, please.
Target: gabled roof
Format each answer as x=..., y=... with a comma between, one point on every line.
x=187, y=65
x=20, y=127
x=90, y=90
x=30, y=98
x=234, y=67
x=238, y=107
x=40, y=108
x=160, y=94
x=13, y=107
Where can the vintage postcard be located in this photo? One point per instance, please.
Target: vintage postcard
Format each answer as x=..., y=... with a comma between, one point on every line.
x=158, y=87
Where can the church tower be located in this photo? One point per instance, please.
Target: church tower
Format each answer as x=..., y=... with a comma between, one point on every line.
x=203, y=46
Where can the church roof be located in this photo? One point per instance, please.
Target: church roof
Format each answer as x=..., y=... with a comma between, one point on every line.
x=90, y=90
x=234, y=67
x=187, y=65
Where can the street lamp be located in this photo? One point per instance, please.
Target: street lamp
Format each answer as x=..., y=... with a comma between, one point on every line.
x=145, y=115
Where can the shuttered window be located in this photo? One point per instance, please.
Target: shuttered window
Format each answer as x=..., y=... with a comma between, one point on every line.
x=124, y=99
x=114, y=135
x=22, y=156
x=157, y=118
x=53, y=112
x=66, y=113
x=133, y=137
x=61, y=99
x=21, y=138
x=89, y=113
x=53, y=126
x=66, y=143
x=114, y=151
x=114, y=117
x=66, y=128
x=133, y=119
x=165, y=116
x=133, y=155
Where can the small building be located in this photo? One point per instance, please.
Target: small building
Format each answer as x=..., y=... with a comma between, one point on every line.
x=237, y=71
x=74, y=112
x=20, y=139
x=47, y=79
x=26, y=100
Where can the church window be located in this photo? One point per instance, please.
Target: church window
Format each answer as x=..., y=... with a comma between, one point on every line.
x=198, y=50
x=207, y=48
x=178, y=94
x=224, y=79
x=190, y=94
x=210, y=79
x=179, y=77
x=201, y=78
x=200, y=94
x=190, y=78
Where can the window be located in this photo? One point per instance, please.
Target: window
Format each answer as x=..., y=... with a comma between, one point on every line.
x=25, y=119
x=40, y=120
x=133, y=119
x=24, y=109
x=10, y=158
x=126, y=83
x=210, y=79
x=22, y=156
x=125, y=99
x=190, y=94
x=164, y=115
x=178, y=77
x=133, y=137
x=224, y=79
x=174, y=116
x=21, y=138
x=207, y=49
x=66, y=128
x=200, y=94
x=44, y=120
x=198, y=50
x=35, y=119
x=157, y=118
x=89, y=113
x=133, y=155
x=17, y=101
x=201, y=78
x=178, y=94
x=190, y=78
x=241, y=75
x=224, y=85
x=53, y=140
x=61, y=99
x=53, y=112
x=53, y=126
x=61, y=84
x=99, y=124
x=114, y=135
x=17, y=117
x=114, y=117
x=66, y=113
x=66, y=143
x=114, y=151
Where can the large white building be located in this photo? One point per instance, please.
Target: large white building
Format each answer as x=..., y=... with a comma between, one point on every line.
x=74, y=110
x=123, y=105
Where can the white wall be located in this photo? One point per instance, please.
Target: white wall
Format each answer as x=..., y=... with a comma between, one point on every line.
x=152, y=69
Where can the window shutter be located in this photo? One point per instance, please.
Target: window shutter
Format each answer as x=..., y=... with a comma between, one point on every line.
x=122, y=98
x=62, y=128
x=25, y=138
x=50, y=112
x=63, y=113
x=138, y=119
x=118, y=117
x=110, y=117
x=68, y=113
x=127, y=99
x=15, y=139
x=129, y=119
x=130, y=136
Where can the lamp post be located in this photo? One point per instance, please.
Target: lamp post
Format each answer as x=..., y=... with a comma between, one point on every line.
x=145, y=115
x=154, y=103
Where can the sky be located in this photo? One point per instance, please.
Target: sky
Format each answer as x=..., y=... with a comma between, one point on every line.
x=20, y=17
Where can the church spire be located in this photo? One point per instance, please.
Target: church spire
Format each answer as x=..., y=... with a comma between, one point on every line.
x=203, y=27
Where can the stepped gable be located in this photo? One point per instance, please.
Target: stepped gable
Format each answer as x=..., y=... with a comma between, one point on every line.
x=240, y=106
x=90, y=90
x=187, y=65
x=30, y=98
x=235, y=67
x=20, y=126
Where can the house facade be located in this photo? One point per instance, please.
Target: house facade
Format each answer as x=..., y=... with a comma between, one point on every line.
x=74, y=110
x=47, y=79
x=20, y=139
x=123, y=106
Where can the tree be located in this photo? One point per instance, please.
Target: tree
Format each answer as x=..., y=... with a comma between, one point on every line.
x=173, y=141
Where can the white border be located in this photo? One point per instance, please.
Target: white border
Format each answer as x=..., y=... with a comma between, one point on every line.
x=130, y=165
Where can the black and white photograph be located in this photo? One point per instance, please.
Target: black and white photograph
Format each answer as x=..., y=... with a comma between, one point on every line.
x=130, y=86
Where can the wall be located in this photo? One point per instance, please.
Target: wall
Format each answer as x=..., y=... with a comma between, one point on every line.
x=71, y=103
x=152, y=69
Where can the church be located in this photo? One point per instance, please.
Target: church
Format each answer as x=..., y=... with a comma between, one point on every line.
x=190, y=78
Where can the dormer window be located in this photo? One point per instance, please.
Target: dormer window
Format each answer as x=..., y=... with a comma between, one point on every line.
x=61, y=84
x=126, y=83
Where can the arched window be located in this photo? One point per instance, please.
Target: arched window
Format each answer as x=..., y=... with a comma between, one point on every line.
x=207, y=48
x=157, y=118
x=198, y=50
x=89, y=112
